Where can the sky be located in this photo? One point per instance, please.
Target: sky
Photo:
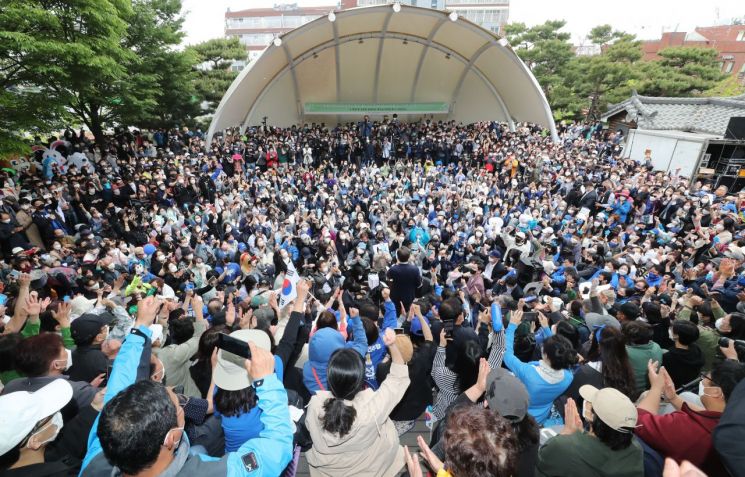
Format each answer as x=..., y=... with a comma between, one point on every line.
x=645, y=18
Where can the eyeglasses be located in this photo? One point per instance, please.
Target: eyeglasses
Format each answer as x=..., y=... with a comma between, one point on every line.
x=704, y=376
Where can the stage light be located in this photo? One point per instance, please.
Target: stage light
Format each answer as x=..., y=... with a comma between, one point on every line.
x=453, y=16
x=396, y=7
x=332, y=16
x=277, y=41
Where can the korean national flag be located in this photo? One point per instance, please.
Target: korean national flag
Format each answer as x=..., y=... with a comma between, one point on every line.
x=289, y=286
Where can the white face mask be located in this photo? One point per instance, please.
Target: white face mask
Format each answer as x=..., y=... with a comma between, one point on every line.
x=172, y=268
x=719, y=323
x=702, y=390
x=587, y=410
x=68, y=362
x=55, y=421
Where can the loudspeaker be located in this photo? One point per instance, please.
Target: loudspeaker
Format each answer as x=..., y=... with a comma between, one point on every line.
x=735, y=128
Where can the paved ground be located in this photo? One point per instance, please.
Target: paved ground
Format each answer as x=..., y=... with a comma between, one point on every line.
x=408, y=439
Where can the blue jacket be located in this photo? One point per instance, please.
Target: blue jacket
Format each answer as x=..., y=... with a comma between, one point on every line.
x=270, y=452
x=322, y=345
x=419, y=236
x=541, y=392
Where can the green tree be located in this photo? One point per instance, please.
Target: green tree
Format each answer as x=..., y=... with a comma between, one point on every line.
x=607, y=77
x=215, y=76
x=547, y=52
x=729, y=86
x=680, y=71
x=101, y=60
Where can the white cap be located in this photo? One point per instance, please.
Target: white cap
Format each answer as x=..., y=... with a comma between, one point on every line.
x=81, y=305
x=230, y=373
x=24, y=410
x=168, y=293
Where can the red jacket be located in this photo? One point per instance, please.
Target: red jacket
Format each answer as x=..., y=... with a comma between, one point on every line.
x=683, y=435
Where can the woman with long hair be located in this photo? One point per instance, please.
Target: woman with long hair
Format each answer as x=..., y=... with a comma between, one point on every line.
x=607, y=366
x=349, y=424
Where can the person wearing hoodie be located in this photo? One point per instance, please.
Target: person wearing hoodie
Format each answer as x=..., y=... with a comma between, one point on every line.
x=684, y=361
x=350, y=427
x=323, y=344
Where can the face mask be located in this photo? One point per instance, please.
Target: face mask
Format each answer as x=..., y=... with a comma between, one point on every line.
x=586, y=410
x=55, y=421
x=702, y=390
x=111, y=266
x=172, y=268
x=608, y=269
x=6, y=221
x=68, y=362
x=57, y=246
x=719, y=324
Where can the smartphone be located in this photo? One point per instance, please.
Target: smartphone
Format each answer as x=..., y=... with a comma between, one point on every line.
x=3, y=299
x=398, y=331
x=109, y=367
x=448, y=327
x=529, y=299
x=233, y=345
x=530, y=316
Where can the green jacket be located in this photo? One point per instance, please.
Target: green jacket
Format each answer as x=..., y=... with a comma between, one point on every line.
x=583, y=455
x=708, y=339
x=32, y=328
x=639, y=356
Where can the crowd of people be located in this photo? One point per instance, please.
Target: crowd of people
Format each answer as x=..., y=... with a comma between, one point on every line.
x=172, y=306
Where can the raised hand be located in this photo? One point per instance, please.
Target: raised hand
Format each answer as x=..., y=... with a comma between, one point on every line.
x=572, y=421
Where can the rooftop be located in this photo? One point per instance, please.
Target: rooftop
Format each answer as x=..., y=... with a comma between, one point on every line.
x=701, y=115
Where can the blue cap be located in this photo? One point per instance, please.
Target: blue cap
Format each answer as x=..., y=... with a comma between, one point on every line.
x=495, y=253
x=416, y=327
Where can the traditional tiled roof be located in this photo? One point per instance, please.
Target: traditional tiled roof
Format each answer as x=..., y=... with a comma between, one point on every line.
x=702, y=115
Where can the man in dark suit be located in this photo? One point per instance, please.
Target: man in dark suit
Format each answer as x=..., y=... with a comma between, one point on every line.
x=589, y=198
x=404, y=279
x=509, y=286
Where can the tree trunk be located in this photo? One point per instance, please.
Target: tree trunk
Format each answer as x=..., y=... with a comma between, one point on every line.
x=97, y=130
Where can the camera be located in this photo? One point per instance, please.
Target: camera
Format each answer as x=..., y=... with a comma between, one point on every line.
x=739, y=345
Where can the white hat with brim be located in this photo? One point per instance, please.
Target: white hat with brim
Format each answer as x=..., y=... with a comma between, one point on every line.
x=230, y=373
x=81, y=305
x=613, y=407
x=23, y=410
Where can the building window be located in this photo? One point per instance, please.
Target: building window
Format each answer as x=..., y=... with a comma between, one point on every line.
x=741, y=36
x=728, y=66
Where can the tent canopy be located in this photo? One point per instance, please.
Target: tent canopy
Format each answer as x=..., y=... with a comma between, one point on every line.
x=384, y=59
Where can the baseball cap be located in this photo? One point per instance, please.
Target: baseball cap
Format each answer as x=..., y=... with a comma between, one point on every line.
x=613, y=407
x=17, y=250
x=507, y=395
x=630, y=310
x=416, y=326
x=81, y=305
x=28, y=409
x=88, y=325
x=230, y=374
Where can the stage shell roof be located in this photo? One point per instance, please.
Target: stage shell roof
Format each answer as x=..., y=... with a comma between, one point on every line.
x=384, y=59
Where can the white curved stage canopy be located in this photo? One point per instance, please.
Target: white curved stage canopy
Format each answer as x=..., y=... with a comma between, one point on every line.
x=380, y=60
